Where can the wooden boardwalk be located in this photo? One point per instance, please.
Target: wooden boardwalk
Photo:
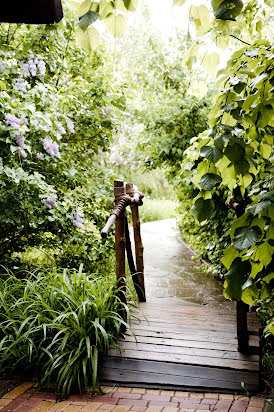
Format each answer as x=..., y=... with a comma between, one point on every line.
x=184, y=347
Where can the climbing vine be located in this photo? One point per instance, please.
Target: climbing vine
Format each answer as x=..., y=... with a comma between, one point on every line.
x=236, y=155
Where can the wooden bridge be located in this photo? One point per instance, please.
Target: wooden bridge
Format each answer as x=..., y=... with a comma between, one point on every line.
x=182, y=346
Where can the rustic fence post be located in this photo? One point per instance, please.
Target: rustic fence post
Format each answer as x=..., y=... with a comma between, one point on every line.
x=139, y=249
x=242, y=328
x=119, y=190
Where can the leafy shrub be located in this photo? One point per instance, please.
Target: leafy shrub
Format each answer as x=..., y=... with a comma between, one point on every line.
x=58, y=108
x=235, y=158
x=58, y=324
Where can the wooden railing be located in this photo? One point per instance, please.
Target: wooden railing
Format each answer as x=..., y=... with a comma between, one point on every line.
x=126, y=194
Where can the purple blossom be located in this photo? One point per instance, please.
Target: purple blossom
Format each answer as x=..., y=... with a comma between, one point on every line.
x=20, y=84
x=41, y=67
x=20, y=141
x=60, y=128
x=70, y=126
x=50, y=202
x=40, y=156
x=78, y=220
x=22, y=153
x=31, y=68
x=1, y=65
x=13, y=121
x=51, y=147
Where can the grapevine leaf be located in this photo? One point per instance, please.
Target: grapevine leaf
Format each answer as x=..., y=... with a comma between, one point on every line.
x=202, y=209
x=209, y=181
x=245, y=236
x=106, y=9
x=234, y=152
x=259, y=207
x=87, y=19
x=227, y=9
x=213, y=154
x=250, y=295
x=211, y=62
x=89, y=39
x=239, y=87
x=84, y=7
x=268, y=196
x=229, y=255
x=264, y=253
x=116, y=24
x=265, y=150
x=235, y=278
x=131, y=5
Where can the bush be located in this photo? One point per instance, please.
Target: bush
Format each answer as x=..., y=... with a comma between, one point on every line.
x=58, y=108
x=58, y=324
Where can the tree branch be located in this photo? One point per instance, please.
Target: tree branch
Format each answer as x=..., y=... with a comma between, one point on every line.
x=237, y=38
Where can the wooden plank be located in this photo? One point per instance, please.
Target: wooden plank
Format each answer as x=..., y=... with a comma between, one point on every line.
x=178, y=335
x=187, y=343
x=188, y=359
x=134, y=377
x=187, y=320
x=157, y=324
x=225, y=375
x=201, y=352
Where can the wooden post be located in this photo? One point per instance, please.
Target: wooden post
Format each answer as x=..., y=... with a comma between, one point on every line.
x=139, y=278
x=119, y=190
x=242, y=330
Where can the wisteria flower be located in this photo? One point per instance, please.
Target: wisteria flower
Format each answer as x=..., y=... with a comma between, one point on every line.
x=77, y=219
x=70, y=126
x=22, y=153
x=60, y=128
x=50, y=202
x=1, y=65
x=40, y=156
x=20, y=84
x=51, y=147
x=13, y=121
x=20, y=141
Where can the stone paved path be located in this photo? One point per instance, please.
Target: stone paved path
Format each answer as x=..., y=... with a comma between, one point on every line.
x=24, y=398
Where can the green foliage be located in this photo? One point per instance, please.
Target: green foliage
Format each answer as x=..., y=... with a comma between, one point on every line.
x=58, y=324
x=111, y=12
x=58, y=108
x=237, y=154
x=158, y=209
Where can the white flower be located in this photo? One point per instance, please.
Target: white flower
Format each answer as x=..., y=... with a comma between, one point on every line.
x=20, y=84
x=50, y=202
x=40, y=156
x=60, y=128
x=13, y=121
x=77, y=219
x=20, y=140
x=70, y=126
x=22, y=153
x=51, y=147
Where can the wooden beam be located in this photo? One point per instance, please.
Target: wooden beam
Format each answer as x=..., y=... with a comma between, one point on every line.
x=120, y=242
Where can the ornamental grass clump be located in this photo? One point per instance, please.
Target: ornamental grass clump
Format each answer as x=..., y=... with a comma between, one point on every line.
x=57, y=325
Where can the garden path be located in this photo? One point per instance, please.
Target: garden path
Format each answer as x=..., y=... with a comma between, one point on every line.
x=186, y=332
x=170, y=272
